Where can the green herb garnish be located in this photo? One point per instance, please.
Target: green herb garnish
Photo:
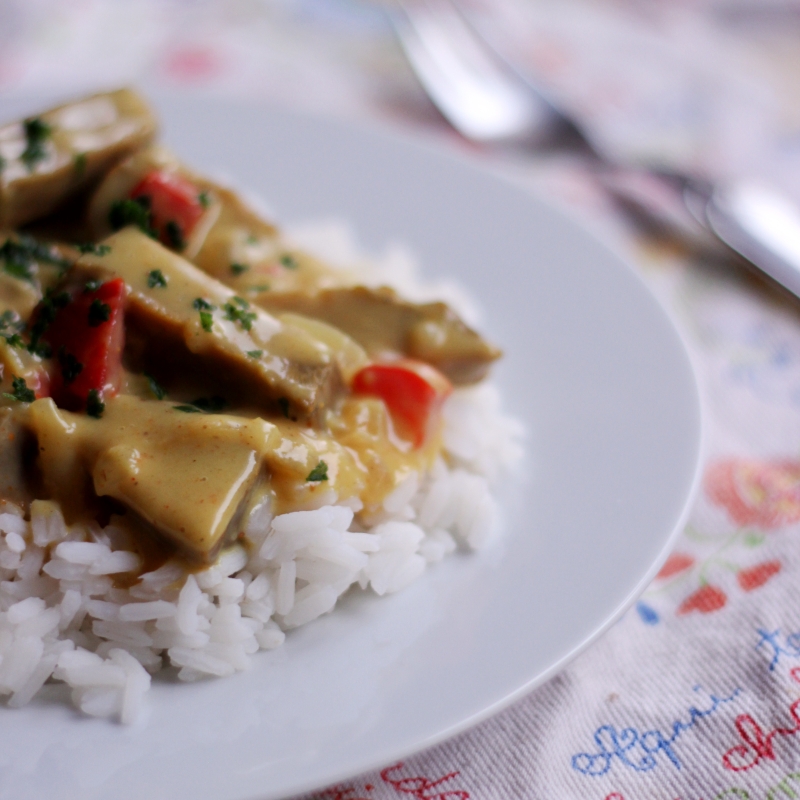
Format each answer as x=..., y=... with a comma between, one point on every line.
x=92, y=285
x=48, y=308
x=94, y=405
x=12, y=339
x=255, y=353
x=174, y=235
x=10, y=319
x=319, y=473
x=99, y=312
x=17, y=262
x=204, y=199
x=205, y=308
x=94, y=249
x=211, y=405
x=289, y=261
x=241, y=315
x=252, y=239
x=132, y=212
x=238, y=269
x=19, y=257
x=155, y=387
x=20, y=391
x=203, y=405
x=261, y=287
x=206, y=321
x=156, y=278
x=41, y=349
x=70, y=366
x=37, y=132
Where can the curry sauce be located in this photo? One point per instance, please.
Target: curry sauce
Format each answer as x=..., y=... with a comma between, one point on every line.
x=187, y=362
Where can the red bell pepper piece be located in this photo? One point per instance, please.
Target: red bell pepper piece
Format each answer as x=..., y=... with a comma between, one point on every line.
x=174, y=205
x=412, y=390
x=87, y=336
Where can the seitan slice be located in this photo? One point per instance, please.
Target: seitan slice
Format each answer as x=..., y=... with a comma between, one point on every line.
x=48, y=158
x=173, y=302
x=189, y=476
x=381, y=322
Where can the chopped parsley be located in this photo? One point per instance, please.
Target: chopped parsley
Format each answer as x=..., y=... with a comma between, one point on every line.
x=156, y=278
x=37, y=132
x=205, y=308
x=211, y=405
x=255, y=353
x=239, y=313
x=204, y=199
x=206, y=321
x=41, y=349
x=48, y=308
x=12, y=339
x=20, y=256
x=79, y=164
x=94, y=249
x=319, y=473
x=99, y=312
x=238, y=269
x=70, y=366
x=43, y=252
x=94, y=405
x=260, y=287
x=252, y=239
x=174, y=235
x=10, y=325
x=155, y=387
x=132, y=212
x=92, y=285
x=10, y=319
x=289, y=261
x=17, y=262
x=203, y=405
x=20, y=391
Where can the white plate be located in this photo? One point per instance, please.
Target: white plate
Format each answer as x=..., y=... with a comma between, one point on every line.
x=595, y=370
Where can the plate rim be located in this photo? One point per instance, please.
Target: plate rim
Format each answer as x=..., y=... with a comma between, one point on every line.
x=408, y=138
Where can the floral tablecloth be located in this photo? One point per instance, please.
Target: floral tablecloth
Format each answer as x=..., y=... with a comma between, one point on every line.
x=695, y=693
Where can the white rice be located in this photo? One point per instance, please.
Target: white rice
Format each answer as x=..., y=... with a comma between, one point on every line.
x=62, y=618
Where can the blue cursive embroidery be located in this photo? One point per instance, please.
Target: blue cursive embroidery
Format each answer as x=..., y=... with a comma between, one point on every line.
x=641, y=751
x=779, y=644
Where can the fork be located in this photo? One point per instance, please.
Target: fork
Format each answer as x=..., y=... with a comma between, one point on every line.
x=488, y=101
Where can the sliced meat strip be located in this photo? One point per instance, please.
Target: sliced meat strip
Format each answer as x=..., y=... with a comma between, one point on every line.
x=50, y=157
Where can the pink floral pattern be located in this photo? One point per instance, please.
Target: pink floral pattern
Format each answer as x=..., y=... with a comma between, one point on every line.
x=765, y=494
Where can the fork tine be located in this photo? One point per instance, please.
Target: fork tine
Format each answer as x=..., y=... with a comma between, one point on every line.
x=478, y=94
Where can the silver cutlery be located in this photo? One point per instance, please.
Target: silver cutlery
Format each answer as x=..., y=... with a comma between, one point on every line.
x=488, y=101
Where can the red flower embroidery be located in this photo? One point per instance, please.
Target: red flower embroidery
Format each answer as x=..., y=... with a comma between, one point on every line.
x=676, y=563
x=706, y=599
x=756, y=576
x=423, y=788
x=761, y=493
x=193, y=63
